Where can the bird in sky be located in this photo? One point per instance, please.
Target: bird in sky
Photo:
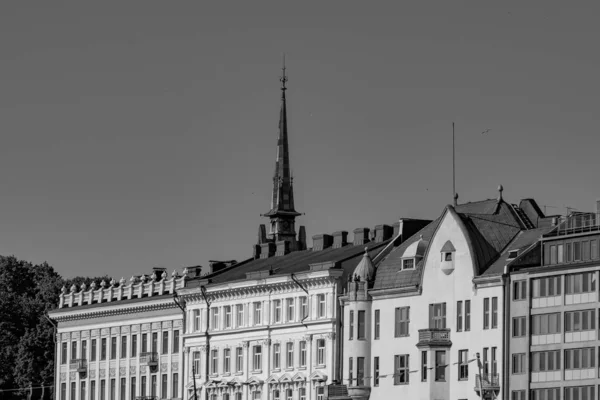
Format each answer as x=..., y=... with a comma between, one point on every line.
x=486, y=131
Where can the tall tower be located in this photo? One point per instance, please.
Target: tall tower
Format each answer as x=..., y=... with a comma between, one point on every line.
x=283, y=215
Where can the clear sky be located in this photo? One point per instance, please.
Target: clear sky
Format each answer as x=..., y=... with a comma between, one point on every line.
x=137, y=134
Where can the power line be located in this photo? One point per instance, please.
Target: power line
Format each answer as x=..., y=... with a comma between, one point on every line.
x=26, y=388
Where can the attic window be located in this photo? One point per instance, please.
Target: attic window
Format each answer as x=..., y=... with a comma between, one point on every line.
x=408, y=263
x=446, y=256
x=513, y=254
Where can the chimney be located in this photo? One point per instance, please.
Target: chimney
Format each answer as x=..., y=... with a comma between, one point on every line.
x=340, y=239
x=194, y=271
x=383, y=233
x=397, y=229
x=262, y=234
x=361, y=236
x=267, y=250
x=283, y=248
x=302, y=238
x=158, y=271
x=597, y=206
x=256, y=251
x=322, y=242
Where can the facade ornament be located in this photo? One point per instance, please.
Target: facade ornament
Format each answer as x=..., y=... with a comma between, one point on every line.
x=93, y=285
x=122, y=370
x=164, y=275
x=143, y=278
x=163, y=367
x=63, y=290
x=102, y=373
x=122, y=281
x=133, y=279
x=308, y=338
x=63, y=376
x=174, y=367
x=72, y=376
x=132, y=370
x=174, y=274
x=103, y=284
x=93, y=374
x=330, y=336
x=83, y=287
x=153, y=276
x=245, y=344
x=112, y=372
x=203, y=348
x=112, y=282
x=73, y=288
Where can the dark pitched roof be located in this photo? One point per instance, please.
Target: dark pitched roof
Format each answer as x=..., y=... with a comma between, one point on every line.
x=298, y=261
x=491, y=225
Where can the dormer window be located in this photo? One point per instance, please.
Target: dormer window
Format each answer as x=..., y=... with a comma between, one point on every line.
x=408, y=263
x=446, y=256
x=513, y=254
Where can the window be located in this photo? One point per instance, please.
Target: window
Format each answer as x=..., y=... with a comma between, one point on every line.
x=214, y=361
x=303, y=353
x=289, y=394
x=94, y=350
x=196, y=363
x=277, y=311
x=291, y=312
x=463, y=365
x=360, y=371
x=585, y=246
x=276, y=356
x=63, y=391
x=227, y=361
x=103, y=350
x=93, y=389
x=144, y=385
x=576, y=251
x=542, y=361
x=163, y=387
x=276, y=395
x=214, y=312
x=518, y=363
x=402, y=320
x=546, y=394
x=519, y=290
x=321, y=305
x=580, y=358
x=467, y=315
x=63, y=353
x=165, y=342
x=256, y=358
x=401, y=369
x=144, y=342
x=82, y=390
x=320, y=351
x=154, y=341
x=408, y=263
x=153, y=387
x=486, y=313
x=304, y=307
x=459, y=316
x=289, y=359
x=553, y=254
x=239, y=312
x=545, y=324
x=546, y=287
x=239, y=359
x=494, y=312
x=302, y=393
x=518, y=326
x=103, y=389
x=580, y=283
x=351, y=326
x=320, y=393
x=579, y=393
x=361, y=325
x=594, y=249
x=133, y=345
x=446, y=256
x=228, y=319
x=560, y=254
x=576, y=321
x=376, y=325
x=494, y=360
x=440, y=365
x=175, y=385
x=517, y=395
x=123, y=346
x=73, y=350
x=84, y=354
x=437, y=315
x=196, y=320
x=423, y=366
x=486, y=360
x=257, y=313
x=175, y=349
x=376, y=371
x=74, y=390
x=350, y=372
x=569, y=251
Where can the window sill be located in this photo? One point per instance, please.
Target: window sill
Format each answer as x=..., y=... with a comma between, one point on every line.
x=401, y=384
x=463, y=379
x=276, y=370
x=226, y=373
x=362, y=339
x=213, y=375
x=302, y=368
x=239, y=373
x=321, y=366
x=256, y=371
x=289, y=369
x=401, y=336
x=440, y=380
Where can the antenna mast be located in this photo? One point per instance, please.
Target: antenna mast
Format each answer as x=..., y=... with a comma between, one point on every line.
x=453, y=166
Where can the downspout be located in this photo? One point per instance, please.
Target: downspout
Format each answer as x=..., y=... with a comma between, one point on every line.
x=340, y=347
x=307, y=298
x=55, y=356
x=206, y=338
x=506, y=344
x=182, y=308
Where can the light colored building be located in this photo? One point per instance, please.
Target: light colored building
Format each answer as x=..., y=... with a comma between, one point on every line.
x=120, y=340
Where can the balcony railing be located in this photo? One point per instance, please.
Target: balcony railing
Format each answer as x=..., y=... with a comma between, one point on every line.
x=149, y=358
x=487, y=381
x=434, y=337
x=79, y=365
x=577, y=222
x=146, y=398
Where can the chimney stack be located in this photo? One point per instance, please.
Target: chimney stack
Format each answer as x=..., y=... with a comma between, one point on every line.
x=267, y=250
x=302, y=238
x=383, y=233
x=283, y=248
x=322, y=242
x=361, y=236
x=340, y=239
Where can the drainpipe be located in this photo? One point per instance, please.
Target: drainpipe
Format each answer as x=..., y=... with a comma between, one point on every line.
x=55, y=355
x=506, y=362
x=206, y=338
x=181, y=306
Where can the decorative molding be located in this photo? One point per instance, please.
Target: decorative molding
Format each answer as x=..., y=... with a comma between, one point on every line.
x=66, y=336
x=104, y=332
x=114, y=330
x=203, y=348
x=145, y=327
x=112, y=372
x=75, y=335
x=63, y=376
x=135, y=328
x=125, y=329
x=143, y=369
x=155, y=326
x=102, y=373
x=174, y=367
x=245, y=344
x=132, y=370
x=167, y=324
x=92, y=373
x=330, y=336
x=85, y=334
x=122, y=370
x=95, y=332
x=164, y=367
x=99, y=312
x=178, y=323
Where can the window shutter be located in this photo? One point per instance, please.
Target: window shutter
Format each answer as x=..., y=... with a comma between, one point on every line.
x=443, y=315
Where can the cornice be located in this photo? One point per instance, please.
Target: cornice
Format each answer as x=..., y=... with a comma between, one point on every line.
x=73, y=314
x=395, y=292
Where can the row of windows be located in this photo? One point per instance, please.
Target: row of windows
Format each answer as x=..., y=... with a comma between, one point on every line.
x=108, y=389
x=542, y=361
x=584, y=250
x=257, y=356
x=570, y=393
x=551, y=286
x=229, y=317
x=549, y=324
x=114, y=345
x=361, y=325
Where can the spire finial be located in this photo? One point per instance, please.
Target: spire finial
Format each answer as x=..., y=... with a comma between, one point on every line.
x=283, y=78
x=500, y=190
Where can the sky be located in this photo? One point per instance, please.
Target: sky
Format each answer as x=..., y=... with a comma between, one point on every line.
x=143, y=133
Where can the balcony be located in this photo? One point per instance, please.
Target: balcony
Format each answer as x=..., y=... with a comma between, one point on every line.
x=489, y=382
x=576, y=222
x=434, y=337
x=149, y=358
x=146, y=398
x=79, y=365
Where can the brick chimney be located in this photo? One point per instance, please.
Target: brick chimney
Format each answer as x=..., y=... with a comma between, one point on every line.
x=302, y=238
x=361, y=236
x=340, y=239
x=267, y=250
x=322, y=242
x=383, y=233
x=283, y=248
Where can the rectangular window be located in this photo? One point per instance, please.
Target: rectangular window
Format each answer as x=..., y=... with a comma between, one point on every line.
x=424, y=366
x=214, y=361
x=569, y=251
x=94, y=350
x=276, y=311
x=486, y=360
x=360, y=371
x=239, y=315
x=518, y=395
x=585, y=247
x=546, y=287
x=579, y=393
x=132, y=387
x=123, y=392
x=542, y=361
x=197, y=320
x=553, y=254
x=257, y=313
x=103, y=389
x=175, y=385
x=144, y=342
x=583, y=320
x=401, y=369
x=214, y=312
x=82, y=390
x=63, y=353
x=463, y=365
x=518, y=363
x=440, y=365
x=361, y=325
x=63, y=391
x=256, y=358
x=467, y=315
x=320, y=351
x=351, y=372
x=276, y=356
x=576, y=251
x=74, y=390
x=402, y=321
x=123, y=346
x=519, y=326
x=73, y=350
x=409, y=263
x=486, y=313
x=494, y=360
x=154, y=341
x=321, y=305
x=93, y=390
x=545, y=324
x=163, y=388
x=437, y=316
x=580, y=283
x=303, y=307
x=226, y=361
x=144, y=386
x=376, y=371
x=103, y=350
x=459, y=316
x=351, y=326
x=134, y=345
x=519, y=290
x=580, y=358
x=289, y=355
x=494, y=312
x=153, y=388
x=560, y=253
x=594, y=249
x=546, y=394
x=291, y=310
x=228, y=317
x=196, y=363
x=239, y=359
x=303, y=354
x=165, y=342
x=84, y=354
x=376, y=326
x=175, y=348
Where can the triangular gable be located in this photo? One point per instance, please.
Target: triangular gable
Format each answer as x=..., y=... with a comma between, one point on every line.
x=223, y=383
x=190, y=385
x=299, y=377
x=318, y=376
x=253, y=380
x=235, y=382
x=212, y=384
x=273, y=379
x=286, y=378
x=448, y=247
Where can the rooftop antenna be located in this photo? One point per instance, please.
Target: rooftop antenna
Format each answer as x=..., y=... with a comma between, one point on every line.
x=453, y=168
x=283, y=78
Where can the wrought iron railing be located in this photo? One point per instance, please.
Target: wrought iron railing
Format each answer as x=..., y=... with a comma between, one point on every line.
x=487, y=381
x=149, y=358
x=434, y=335
x=79, y=365
x=576, y=222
